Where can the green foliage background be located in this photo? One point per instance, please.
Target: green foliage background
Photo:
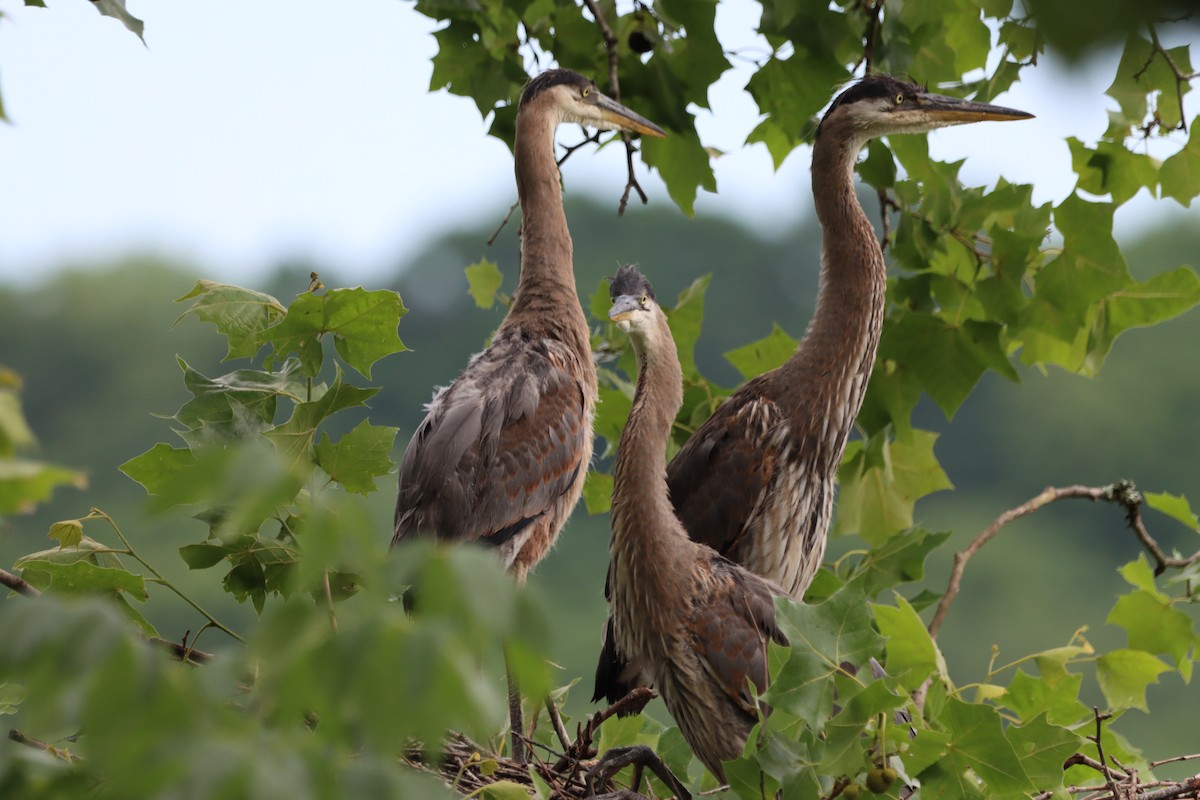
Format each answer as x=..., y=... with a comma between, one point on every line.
x=266, y=488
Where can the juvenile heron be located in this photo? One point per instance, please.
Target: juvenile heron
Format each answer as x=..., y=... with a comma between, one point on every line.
x=501, y=455
x=697, y=622
x=756, y=480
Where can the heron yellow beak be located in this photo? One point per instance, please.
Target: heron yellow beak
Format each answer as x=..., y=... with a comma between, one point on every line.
x=624, y=119
x=952, y=109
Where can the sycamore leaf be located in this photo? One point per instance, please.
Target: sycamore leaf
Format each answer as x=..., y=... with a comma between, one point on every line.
x=1153, y=624
x=597, y=492
x=1124, y=675
x=822, y=637
x=1042, y=748
x=363, y=325
x=880, y=484
x=1173, y=506
x=68, y=532
x=1059, y=701
x=81, y=577
x=1180, y=174
x=359, y=457
x=483, y=281
x=241, y=315
x=685, y=320
x=765, y=354
x=684, y=165
x=977, y=743
x=912, y=655
x=116, y=9
x=24, y=484
x=295, y=437
x=157, y=465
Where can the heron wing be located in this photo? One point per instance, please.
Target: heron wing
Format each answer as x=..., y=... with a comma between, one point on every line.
x=732, y=629
x=499, y=447
x=718, y=477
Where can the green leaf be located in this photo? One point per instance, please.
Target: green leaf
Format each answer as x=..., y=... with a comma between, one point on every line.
x=241, y=315
x=1030, y=697
x=359, y=457
x=24, y=484
x=977, y=743
x=1173, y=506
x=1124, y=675
x=844, y=732
x=116, y=9
x=11, y=696
x=947, y=359
x=684, y=165
x=901, y=559
x=294, y=438
x=204, y=554
x=81, y=577
x=1153, y=624
x=1158, y=299
x=14, y=431
x=1180, y=174
x=881, y=483
x=685, y=320
x=821, y=638
x=765, y=354
x=912, y=655
x=68, y=532
x=597, y=492
x=1042, y=748
x=504, y=790
x=158, y=465
x=363, y=325
x=483, y=281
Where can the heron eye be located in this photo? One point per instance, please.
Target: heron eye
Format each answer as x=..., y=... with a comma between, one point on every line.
x=586, y=91
x=899, y=99
x=644, y=299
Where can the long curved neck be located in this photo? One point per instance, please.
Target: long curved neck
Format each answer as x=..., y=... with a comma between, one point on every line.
x=648, y=540
x=831, y=367
x=546, y=295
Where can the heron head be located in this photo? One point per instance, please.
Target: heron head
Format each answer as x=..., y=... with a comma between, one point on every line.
x=879, y=105
x=577, y=100
x=633, y=300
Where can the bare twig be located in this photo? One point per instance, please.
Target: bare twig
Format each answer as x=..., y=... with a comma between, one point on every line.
x=871, y=35
x=556, y=721
x=1123, y=493
x=17, y=584
x=1181, y=78
x=582, y=746
x=182, y=650
x=1047, y=496
x=37, y=744
x=614, y=86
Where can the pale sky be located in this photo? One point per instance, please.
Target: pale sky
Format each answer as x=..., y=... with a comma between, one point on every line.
x=245, y=134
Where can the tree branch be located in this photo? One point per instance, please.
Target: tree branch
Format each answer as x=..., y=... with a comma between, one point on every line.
x=17, y=584
x=614, y=85
x=37, y=744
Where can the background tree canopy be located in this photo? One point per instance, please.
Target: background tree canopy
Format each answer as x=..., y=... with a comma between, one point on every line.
x=995, y=306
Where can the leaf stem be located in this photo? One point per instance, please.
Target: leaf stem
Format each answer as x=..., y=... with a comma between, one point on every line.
x=96, y=513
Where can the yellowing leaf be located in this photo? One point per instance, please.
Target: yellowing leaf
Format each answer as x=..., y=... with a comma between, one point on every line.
x=483, y=281
x=68, y=532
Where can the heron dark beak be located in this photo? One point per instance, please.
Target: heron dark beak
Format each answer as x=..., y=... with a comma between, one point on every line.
x=624, y=306
x=951, y=109
x=622, y=118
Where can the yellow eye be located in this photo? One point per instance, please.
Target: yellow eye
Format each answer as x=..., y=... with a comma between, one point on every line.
x=899, y=99
x=644, y=299
x=586, y=91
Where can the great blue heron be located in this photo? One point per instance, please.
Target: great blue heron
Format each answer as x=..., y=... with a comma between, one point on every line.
x=501, y=455
x=697, y=622
x=756, y=481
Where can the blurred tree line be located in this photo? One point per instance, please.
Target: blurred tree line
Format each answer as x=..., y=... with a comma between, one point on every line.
x=93, y=342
